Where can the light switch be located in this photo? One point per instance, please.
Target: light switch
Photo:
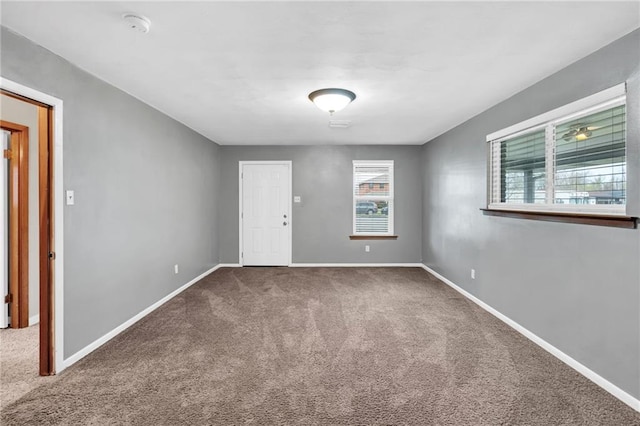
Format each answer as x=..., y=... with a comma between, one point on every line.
x=71, y=200
x=297, y=199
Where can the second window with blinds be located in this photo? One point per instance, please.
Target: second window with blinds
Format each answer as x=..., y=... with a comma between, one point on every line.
x=372, y=197
x=570, y=160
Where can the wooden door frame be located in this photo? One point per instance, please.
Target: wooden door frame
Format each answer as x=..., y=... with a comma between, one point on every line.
x=51, y=202
x=287, y=163
x=18, y=156
x=46, y=254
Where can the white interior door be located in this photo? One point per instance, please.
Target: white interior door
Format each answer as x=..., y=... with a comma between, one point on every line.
x=265, y=213
x=4, y=230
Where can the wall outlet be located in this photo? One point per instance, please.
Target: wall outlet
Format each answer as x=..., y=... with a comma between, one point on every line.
x=473, y=274
x=175, y=268
x=367, y=248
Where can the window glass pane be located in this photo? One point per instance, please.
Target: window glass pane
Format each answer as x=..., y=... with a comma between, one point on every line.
x=590, y=161
x=371, y=180
x=522, y=168
x=372, y=216
x=373, y=197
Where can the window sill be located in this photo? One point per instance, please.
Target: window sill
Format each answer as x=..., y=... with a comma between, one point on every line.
x=373, y=237
x=614, y=221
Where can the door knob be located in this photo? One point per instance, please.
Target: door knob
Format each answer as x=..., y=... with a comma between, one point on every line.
x=284, y=223
x=285, y=216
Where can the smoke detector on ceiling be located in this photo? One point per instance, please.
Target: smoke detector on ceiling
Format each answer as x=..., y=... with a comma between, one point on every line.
x=137, y=22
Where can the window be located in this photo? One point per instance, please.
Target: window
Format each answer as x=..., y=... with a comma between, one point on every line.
x=572, y=159
x=373, y=204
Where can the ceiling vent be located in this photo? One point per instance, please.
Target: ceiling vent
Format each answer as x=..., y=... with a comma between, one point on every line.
x=137, y=23
x=339, y=124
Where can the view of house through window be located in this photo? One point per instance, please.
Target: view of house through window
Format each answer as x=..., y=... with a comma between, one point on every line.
x=373, y=197
x=575, y=162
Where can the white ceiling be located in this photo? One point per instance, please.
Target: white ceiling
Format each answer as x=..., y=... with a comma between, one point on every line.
x=239, y=73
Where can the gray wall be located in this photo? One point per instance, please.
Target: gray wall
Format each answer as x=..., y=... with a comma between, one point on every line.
x=146, y=195
x=27, y=114
x=576, y=286
x=322, y=223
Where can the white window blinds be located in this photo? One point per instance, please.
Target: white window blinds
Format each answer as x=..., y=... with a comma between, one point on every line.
x=372, y=197
x=574, y=161
x=590, y=159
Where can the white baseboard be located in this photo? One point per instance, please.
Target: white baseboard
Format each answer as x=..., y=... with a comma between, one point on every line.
x=34, y=319
x=580, y=368
x=229, y=265
x=113, y=333
x=356, y=265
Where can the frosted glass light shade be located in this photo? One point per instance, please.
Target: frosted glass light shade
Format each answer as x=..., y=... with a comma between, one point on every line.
x=332, y=100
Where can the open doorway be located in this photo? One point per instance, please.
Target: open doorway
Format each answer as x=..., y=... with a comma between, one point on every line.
x=52, y=151
x=28, y=247
x=19, y=214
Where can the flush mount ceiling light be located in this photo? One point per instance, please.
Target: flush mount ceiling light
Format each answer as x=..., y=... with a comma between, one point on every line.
x=332, y=100
x=137, y=22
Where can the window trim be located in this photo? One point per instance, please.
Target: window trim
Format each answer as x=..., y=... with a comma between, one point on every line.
x=606, y=99
x=374, y=197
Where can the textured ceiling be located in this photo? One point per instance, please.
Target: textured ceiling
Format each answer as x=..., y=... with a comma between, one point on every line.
x=240, y=72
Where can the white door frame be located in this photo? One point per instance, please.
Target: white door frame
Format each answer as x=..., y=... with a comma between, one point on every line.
x=289, y=164
x=4, y=234
x=58, y=208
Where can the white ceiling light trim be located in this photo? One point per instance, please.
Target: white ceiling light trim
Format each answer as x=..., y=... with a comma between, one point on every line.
x=339, y=124
x=332, y=100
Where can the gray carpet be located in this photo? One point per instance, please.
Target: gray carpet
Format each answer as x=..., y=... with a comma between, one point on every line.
x=330, y=346
x=19, y=357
